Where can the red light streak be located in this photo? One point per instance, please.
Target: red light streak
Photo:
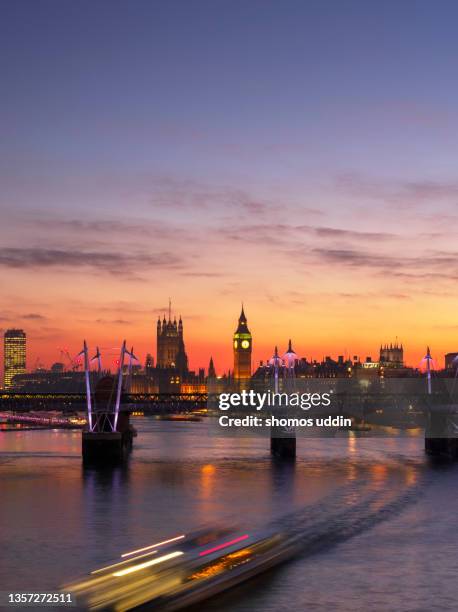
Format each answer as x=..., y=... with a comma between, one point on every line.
x=210, y=550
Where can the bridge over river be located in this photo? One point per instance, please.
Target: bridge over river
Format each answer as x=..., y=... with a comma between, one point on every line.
x=151, y=403
x=433, y=411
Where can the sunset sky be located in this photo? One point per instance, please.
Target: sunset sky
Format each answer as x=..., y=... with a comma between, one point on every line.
x=299, y=156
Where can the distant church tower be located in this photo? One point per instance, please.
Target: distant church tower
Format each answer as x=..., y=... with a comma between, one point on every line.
x=392, y=356
x=211, y=369
x=242, y=349
x=170, y=344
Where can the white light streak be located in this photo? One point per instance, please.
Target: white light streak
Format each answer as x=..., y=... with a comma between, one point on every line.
x=140, y=566
x=102, y=569
x=134, y=552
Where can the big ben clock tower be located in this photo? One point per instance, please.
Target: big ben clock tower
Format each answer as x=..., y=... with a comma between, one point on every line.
x=242, y=349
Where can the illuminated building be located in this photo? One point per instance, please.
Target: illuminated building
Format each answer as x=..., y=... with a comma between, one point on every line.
x=49, y=381
x=211, y=369
x=242, y=342
x=451, y=362
x=197, y=387
x=142, y=383
x=170, y=345
x=392, y=356
x=14, y=341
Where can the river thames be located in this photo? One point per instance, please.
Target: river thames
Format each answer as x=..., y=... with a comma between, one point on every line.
x=378, y=522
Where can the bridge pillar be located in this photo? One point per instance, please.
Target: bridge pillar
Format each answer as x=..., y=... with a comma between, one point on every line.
x=110, y=439
x=102, y=448
x=441, y=437
x=283, y=447
x=283, y=439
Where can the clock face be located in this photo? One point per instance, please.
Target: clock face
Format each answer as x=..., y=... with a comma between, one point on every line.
x=245, y=344
x=235, y=343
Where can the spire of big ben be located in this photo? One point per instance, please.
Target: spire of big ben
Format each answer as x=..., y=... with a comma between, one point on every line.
x=243, y=326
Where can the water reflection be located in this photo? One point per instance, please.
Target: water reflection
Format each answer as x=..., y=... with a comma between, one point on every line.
x=53, y=508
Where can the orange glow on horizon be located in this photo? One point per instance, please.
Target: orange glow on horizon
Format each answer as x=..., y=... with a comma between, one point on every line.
x=216, y=342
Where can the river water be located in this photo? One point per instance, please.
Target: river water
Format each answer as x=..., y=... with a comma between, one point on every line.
x=378, y=522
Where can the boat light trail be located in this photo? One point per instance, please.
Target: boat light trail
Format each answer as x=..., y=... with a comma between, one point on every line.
x=136, y=568
x=210, y=550
x=134, y=552
x=107, y=567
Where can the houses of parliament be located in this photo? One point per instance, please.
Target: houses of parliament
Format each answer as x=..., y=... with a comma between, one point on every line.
x=171, y=368
x=171, y=353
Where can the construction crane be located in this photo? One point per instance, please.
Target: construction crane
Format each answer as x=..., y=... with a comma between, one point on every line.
x=74, y=364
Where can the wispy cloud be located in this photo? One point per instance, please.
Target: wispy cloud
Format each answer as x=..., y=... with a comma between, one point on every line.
x=8, y=316
x=113, y=321
x=186, y=194
x=350, y=257
x=333, y=232
x=434, y=265
x=284, y=234
x=267, y=234
x=33, y=316
x=103, y=261
x=372, y=295
x=404, y=193
x=50, y=222
x=203, y=274
x=127, y=228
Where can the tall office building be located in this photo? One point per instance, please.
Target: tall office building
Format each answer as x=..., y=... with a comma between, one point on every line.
x=14, y=354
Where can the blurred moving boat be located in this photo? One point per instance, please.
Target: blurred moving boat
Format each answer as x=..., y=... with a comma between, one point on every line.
x=182, y=571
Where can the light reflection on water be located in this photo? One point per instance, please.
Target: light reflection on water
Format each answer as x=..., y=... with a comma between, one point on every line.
x=378, y=518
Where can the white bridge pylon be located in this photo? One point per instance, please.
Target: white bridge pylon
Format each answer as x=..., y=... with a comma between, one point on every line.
x=429, y=364
x=97, y=417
